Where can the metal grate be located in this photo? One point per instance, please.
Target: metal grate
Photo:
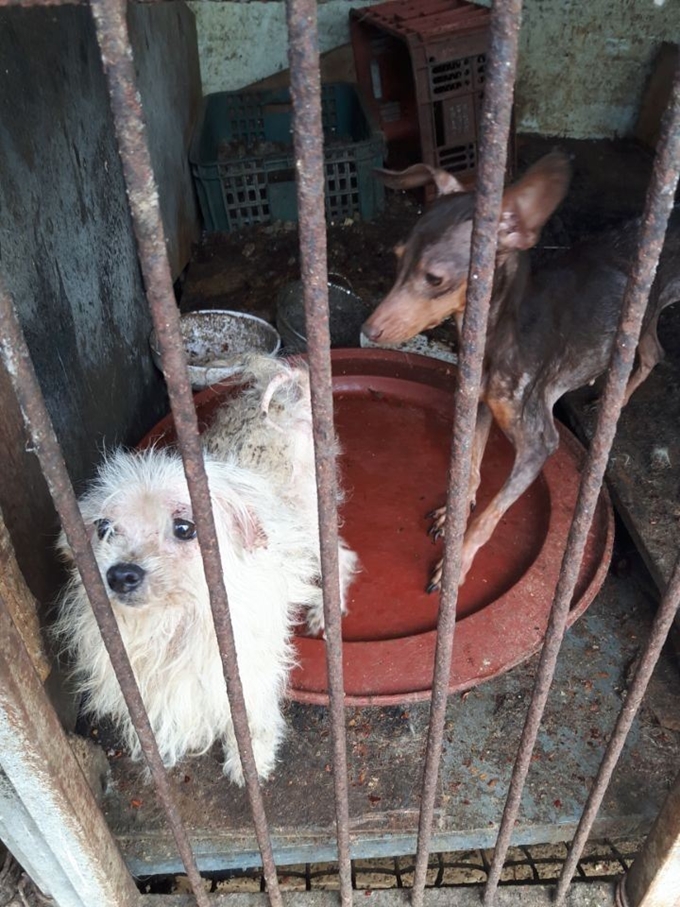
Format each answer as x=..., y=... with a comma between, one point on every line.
x=527, y=865
x=423, y=869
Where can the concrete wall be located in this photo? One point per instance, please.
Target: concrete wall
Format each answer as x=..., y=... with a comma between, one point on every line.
x=240, y=43
x=67, y=253
x=582, y=64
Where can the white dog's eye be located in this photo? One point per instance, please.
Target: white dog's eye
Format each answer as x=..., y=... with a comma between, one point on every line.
x=184, y=530
x=103, y=528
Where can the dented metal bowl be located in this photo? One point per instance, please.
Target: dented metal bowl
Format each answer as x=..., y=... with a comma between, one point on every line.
x=216, y=339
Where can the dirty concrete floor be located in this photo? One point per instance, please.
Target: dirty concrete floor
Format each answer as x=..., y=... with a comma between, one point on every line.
x=385, y=752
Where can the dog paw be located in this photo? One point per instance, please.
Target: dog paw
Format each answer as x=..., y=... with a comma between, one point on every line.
x=315, y=621
x=438, y=528
x=232, y=769
x=265, y=740
x=435, y=578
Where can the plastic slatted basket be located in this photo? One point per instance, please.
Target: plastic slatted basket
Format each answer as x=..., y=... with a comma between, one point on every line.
x=243, y=163
x=420, y=68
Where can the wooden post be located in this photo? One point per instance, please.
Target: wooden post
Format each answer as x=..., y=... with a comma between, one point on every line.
x=21, y=604
x=654, y=878
x=49, y=817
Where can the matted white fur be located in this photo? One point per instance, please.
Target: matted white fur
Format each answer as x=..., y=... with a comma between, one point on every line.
x=270, y=567
x=267, y=427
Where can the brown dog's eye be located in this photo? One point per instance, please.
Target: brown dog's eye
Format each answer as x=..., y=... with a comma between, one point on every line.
x=184, y=530
x=103, y=528
x=434, y=280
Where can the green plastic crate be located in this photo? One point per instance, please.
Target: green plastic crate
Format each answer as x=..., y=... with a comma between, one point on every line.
x=243, y=163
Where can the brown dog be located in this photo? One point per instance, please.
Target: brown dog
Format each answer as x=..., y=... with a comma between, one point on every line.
x=548, y=332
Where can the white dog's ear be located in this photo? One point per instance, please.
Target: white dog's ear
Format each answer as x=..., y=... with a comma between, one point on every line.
x=250, y=529
x=63, y=548
x=234, y=507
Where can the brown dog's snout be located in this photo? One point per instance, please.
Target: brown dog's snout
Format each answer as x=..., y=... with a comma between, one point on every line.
x=372, y=332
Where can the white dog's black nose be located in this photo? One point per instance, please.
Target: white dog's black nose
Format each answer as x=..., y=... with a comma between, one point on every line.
x=123, y=578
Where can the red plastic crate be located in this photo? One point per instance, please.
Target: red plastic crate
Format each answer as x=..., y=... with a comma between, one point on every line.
x=420, y=68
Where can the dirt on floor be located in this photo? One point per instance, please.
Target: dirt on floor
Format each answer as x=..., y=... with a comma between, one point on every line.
x=246, y=270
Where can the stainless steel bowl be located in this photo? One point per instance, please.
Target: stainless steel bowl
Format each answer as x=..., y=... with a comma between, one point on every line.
x=216, y=339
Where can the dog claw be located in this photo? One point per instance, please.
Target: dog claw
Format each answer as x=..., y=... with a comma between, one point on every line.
x=436, y=579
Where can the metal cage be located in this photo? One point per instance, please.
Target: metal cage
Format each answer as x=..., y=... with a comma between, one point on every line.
x=63, y=839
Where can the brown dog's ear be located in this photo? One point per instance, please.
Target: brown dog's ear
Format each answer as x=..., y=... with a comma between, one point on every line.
x=420, y=175
x=529, y=202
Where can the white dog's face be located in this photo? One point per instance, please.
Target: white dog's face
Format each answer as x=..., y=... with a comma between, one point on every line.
x=142, y=532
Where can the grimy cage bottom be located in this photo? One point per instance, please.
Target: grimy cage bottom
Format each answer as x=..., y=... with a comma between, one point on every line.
x=36, y=760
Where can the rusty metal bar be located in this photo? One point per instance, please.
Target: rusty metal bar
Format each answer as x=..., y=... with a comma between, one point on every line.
x=654, y=878
x=658, y=206
x=657, y=637
x=495, y=128
x=39, y=426
x=305, y=84
x=130, y=128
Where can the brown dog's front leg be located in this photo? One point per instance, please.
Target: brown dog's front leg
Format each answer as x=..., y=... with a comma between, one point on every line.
x=529, y=461
x=482, y=427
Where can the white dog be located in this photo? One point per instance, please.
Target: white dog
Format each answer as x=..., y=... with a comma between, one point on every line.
x=267, y=426
x=260, y=467
x=145, y=543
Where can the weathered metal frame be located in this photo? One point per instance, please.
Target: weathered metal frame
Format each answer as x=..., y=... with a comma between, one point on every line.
x=109, y=16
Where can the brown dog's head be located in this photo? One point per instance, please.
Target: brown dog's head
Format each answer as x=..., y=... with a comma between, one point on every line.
x=434, y=261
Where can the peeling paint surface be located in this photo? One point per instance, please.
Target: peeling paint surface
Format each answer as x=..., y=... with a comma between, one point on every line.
x=582, y=66
x=240, y=43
